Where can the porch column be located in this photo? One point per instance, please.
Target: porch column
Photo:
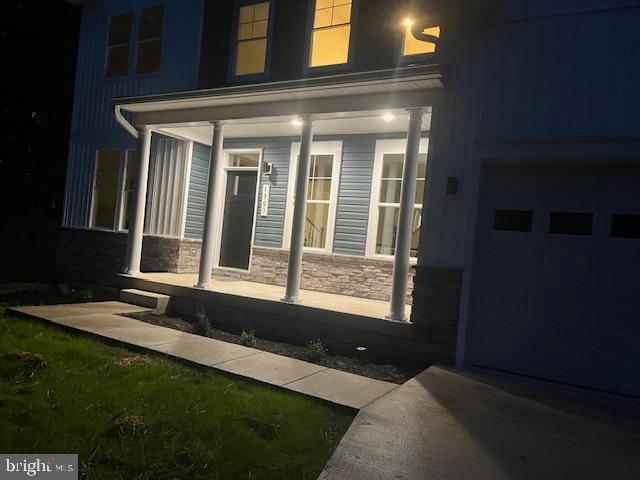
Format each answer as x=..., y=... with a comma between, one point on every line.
x=299, y=213
x=405, y=217
x=136, y=223
x=206, y=254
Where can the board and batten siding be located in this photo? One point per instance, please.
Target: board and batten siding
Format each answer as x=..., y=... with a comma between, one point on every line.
x=93, y=126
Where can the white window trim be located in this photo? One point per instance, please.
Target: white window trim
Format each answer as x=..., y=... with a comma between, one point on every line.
x=221, y=184
x=384, y=147
x=317, y=148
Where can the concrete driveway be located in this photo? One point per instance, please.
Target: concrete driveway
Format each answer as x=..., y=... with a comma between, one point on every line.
x=446, y=425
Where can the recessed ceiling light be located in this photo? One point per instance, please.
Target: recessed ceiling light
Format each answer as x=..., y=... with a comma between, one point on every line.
x=388, y=117
x=297, y=122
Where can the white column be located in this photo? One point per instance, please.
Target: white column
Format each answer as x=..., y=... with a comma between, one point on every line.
x=405, y=217
x=206, y=255
x=136, y=223
x=299, y=213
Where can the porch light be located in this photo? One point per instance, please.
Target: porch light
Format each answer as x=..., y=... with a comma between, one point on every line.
x=407, y=22
x=388, y=117
x=296, y=123
x=361, y=349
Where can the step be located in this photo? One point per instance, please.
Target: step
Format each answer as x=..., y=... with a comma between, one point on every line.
x=156, y=301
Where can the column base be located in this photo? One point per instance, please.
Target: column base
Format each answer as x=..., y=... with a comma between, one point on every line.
x=290, y=300
x=201, y=286
x=131, y=273
x=396, y=318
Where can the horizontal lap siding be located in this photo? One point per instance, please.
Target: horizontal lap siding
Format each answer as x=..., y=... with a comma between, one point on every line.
x=197, y=199
x=354, y=194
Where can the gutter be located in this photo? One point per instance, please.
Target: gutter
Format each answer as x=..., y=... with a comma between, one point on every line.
x=124, y=123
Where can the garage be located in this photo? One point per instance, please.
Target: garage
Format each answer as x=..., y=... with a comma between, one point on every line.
x=555, y=283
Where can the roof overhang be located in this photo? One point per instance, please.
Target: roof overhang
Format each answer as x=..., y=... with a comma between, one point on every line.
x=403, y=87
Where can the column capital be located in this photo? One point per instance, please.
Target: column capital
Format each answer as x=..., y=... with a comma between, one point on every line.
x=217, y=123
x=145, y=128
x=415, y=109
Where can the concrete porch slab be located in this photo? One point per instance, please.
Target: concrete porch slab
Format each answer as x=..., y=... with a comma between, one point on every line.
x=342, y=387
x=270, y=368
x=205, y=351
x=444, y=424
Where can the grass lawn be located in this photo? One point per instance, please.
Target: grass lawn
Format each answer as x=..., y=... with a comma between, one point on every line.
x=133, y=416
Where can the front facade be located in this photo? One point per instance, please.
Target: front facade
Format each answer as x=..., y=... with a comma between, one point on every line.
x=464, y=158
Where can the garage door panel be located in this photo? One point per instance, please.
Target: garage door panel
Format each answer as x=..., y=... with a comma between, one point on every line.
x=560, y=302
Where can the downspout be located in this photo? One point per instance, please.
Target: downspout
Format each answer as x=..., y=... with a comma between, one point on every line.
x=124, y=123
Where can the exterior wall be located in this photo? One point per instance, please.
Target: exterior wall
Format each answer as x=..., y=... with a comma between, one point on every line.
x=198, y=186
x=93, y=126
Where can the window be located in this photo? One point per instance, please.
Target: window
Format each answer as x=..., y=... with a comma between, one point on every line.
x=513, y=220
x=322, y=194
x=331, y=33
x=117, y=62
x=246, y=160
x=105, y=189
x=149, y=48
x=413, y=46
x=571, y=223
x=252, y=38
x=385, y=197
x=128, y=186
x=625, y=226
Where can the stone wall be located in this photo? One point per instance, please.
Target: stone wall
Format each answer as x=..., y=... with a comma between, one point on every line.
x=436, y=306
x=99, y=256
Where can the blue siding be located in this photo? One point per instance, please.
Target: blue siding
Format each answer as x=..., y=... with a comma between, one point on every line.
x=93, y=126
x=197, y=199
x=352, y=215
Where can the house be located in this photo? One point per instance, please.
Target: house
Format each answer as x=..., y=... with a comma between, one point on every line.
x=474, y=163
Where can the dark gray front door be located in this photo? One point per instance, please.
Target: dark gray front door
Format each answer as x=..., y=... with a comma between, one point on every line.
x=238, y=219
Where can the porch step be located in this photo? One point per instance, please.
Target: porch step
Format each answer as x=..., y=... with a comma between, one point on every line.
x=157, y=301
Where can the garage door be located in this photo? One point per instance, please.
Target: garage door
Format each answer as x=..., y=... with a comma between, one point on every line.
x=555, y=289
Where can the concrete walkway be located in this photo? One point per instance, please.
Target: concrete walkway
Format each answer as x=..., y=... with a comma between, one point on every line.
x=445, y=425
x=105, y=319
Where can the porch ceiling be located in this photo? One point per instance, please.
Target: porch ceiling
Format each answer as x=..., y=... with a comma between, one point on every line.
x=328, y=97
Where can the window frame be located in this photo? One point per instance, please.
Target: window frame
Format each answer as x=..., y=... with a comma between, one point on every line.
x=233, y=51
x=116, y=213
x=384, y=147
x=138, y=15
x=122, y=187
x=107, y=48
x=317, y=148
x=402, y=59
x=307, y=69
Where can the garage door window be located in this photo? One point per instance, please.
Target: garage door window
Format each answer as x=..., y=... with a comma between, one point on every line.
x=571, y=223
x=625, y=226
x=513, y=220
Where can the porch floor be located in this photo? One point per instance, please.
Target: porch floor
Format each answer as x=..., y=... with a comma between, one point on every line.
x=324, y=301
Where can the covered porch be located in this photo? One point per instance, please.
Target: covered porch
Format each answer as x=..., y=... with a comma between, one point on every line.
x=311, y=193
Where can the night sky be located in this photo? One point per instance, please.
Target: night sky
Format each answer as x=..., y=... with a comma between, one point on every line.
x=39, y=44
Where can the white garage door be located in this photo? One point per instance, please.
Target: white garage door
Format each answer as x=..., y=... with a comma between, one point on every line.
x=555, y=289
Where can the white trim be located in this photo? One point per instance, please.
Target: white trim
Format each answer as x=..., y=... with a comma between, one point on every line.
x=384, y=147
x=187, y=183
x=221, y=189
x=317, y=148
x=121, y=190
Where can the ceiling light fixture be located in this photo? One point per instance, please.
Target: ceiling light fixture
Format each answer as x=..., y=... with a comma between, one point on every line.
x=407, y=22
x=296, y=122
x=388, y=117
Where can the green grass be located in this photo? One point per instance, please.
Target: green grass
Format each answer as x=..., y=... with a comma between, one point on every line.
x=195, y=423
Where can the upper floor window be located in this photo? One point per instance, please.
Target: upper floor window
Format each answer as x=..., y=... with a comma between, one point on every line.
x=149, y=48
x=418, y=46
x=252, y=39
x=331, y=33
x=118, y=45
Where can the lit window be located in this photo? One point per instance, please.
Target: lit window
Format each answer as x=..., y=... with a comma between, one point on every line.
x=105, y=189
x=413, y=46
x=250, y=160
x=389, y=203
x=150, y=39
x=118, y=45
x=253, y=27
x=331, y=33
x=128, y=187
x=318, y=201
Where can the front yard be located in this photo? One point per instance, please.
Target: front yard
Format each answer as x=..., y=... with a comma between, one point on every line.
x=136, y=416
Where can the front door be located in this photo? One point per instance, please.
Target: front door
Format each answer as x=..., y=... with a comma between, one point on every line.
x=237, y=224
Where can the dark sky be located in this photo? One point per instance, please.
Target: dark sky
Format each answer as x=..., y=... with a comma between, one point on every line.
x=38, y=42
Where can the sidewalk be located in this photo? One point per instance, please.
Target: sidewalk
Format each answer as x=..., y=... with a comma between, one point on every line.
x=105, y=319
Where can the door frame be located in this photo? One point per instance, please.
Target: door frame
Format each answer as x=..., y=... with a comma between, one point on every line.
x=221, y=184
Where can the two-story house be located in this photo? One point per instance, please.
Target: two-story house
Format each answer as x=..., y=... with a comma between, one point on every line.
x=472, y=164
